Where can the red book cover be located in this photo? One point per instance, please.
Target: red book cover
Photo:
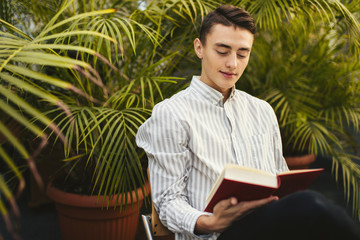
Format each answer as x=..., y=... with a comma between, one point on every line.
x=296, y=180
x=251, y=184
x=242, y=191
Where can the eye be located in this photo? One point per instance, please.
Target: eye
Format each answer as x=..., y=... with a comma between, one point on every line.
x=241, y=56
x=221, y=53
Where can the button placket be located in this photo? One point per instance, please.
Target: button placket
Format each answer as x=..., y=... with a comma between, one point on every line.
x=230, y=117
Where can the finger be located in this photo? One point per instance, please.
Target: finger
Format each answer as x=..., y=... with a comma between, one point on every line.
x=258, y=203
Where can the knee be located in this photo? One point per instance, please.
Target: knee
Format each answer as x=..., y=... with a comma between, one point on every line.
x=308, y=196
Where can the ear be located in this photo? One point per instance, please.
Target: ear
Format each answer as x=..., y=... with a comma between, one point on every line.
x=198, y=48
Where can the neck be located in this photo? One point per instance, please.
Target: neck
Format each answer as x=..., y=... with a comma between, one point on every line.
x=226, y=94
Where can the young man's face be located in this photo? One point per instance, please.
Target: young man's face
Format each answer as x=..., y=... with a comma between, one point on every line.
x=225, y=56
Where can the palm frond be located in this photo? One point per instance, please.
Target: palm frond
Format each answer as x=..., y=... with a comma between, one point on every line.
x=348, y=166
x=270, y=15
x=6, y=192
x=117, y=150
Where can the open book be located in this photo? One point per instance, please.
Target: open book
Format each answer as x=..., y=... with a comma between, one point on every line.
x=251, y=184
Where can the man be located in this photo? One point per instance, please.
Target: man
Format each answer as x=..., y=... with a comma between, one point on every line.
x=191, y=136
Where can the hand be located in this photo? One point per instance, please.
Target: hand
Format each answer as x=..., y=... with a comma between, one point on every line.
x=227, y=211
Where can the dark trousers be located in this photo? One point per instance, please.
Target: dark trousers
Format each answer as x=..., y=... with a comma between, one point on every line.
x=302, y=215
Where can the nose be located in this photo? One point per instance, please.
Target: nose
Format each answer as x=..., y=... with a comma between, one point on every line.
x=232, y=60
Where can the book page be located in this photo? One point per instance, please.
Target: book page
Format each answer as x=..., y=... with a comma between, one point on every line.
x=250, y=175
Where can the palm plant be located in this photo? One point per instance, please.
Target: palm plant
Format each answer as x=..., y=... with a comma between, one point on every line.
x=89, y=73
x=37, y=64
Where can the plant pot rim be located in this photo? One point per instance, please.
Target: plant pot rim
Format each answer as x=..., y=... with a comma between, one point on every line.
x=306, y=157
x=94, y=201
x=300, y=162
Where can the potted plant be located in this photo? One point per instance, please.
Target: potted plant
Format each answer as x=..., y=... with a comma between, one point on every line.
x=103, y=181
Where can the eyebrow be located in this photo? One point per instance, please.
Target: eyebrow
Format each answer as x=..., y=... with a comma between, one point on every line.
x=229, y=47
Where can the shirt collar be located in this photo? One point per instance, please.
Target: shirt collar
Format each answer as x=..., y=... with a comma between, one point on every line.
x=208, y=92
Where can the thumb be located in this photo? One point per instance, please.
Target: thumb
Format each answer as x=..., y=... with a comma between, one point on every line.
x=233, y=201
x=227, y=203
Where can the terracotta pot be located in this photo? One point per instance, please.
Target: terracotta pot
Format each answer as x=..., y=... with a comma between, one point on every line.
x=83, y=217
x=300, y=162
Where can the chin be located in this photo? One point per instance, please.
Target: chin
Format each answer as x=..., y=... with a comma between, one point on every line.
x=225, y=88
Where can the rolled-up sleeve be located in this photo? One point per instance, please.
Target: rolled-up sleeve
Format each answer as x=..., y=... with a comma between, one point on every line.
x=165, y=140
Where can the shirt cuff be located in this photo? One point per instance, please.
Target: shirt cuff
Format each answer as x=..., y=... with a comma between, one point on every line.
x=189, y=222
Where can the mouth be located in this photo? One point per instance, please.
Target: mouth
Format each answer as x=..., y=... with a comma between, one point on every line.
x=228, y=74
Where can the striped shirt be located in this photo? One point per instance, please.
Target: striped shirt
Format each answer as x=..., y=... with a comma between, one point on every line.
x=191, y=136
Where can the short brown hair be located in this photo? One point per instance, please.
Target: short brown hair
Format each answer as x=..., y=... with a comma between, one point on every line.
x=227, y=15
